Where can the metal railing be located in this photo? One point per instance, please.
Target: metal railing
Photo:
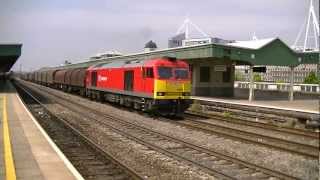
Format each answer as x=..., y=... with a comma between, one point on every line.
x=308, y=88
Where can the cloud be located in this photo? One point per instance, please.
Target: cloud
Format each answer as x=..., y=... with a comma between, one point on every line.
x=53, y=31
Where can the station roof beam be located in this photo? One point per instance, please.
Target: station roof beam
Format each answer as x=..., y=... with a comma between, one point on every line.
x=9, y=53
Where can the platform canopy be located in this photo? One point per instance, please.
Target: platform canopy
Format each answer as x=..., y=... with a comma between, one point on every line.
x=9, y=53
x=271, y=51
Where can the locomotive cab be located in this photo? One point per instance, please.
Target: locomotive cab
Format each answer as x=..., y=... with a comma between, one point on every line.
x=172, y=87
x=172, y=83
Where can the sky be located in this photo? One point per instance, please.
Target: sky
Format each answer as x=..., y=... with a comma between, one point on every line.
x=58, y=30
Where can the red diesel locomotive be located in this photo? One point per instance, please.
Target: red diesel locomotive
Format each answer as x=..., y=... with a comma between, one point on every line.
x=162, y=84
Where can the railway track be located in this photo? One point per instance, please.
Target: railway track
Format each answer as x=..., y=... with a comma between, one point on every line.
x=250, y=137
x=247, y=113
x=214, y=163
x=89, y=159
x=298, y=132
x=262, y=114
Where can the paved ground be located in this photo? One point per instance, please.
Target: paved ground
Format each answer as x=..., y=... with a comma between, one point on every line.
x=300, y=105
x=34, y=158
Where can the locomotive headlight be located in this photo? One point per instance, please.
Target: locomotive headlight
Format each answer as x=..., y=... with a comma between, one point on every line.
x=160, y=93
x=185, y=94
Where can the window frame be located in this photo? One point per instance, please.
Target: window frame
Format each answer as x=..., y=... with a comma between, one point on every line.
x=148, y=72
x=205, y=75
x=172, y=73
x=181, y=69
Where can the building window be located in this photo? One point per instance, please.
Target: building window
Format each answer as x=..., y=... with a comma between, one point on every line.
x=205, y=74
x=227, y=51
x=226, y=76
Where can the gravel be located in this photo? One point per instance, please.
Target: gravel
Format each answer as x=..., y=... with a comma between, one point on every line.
x=266, y=132
x=149, y=163
x=159, y=166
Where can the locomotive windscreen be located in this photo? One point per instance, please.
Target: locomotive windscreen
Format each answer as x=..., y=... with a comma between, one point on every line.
x=165, y=72
x=181, y=73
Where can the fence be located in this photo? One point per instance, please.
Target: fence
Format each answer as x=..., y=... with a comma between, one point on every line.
x=307, y=88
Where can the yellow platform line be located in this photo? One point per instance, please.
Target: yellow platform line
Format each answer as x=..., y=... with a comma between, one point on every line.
x=10, y=169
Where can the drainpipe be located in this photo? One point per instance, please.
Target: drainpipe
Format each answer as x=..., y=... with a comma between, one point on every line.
x=291, y=83
x=251, y=85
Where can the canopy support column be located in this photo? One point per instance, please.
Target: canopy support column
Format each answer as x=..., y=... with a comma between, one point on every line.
x=251, y=85
x=291, y=83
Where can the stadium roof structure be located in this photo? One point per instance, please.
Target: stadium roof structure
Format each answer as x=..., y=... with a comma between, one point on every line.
x=253, y=44
x=9, y=54
x=256, y=52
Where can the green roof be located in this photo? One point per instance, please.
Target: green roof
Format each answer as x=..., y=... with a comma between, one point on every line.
x=269, y=52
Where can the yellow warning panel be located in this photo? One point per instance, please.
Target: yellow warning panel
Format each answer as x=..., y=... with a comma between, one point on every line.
x=9, y=163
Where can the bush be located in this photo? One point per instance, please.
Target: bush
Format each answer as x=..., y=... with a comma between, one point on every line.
x=226, y=114
x=257, y=77
x=195, y=106
x=311, y=79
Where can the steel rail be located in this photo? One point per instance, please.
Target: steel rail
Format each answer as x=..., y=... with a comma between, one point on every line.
x=298, y=132
x=255, y=138
x=133, y=174
x=131, y=125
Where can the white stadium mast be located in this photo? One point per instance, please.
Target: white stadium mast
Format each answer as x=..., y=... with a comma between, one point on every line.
x=185, y=28
x=311, y=21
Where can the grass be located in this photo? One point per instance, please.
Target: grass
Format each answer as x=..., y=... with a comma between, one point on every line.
x=196, y=106
x=226, y=114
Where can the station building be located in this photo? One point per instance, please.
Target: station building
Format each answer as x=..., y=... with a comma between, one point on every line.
x=213, y=65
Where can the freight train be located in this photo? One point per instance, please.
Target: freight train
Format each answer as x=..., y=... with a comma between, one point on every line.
x=159, y=85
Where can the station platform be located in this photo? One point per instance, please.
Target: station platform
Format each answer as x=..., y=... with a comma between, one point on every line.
x=28, y=152
x=304, y=106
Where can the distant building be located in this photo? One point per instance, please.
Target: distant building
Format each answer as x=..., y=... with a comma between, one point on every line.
x=176, y=41
x=106, y=54
x=183, y=36
x=279, y=73
x=273, y=73
x=150, y=46
x=67, y=62
x=208, y=40
x=180, y=41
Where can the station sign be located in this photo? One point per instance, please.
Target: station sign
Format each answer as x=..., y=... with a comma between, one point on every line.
x=220, y=68
x=260, y=69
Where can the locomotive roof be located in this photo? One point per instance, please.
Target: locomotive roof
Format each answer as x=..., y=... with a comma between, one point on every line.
x=131, y=63
x=114, y=64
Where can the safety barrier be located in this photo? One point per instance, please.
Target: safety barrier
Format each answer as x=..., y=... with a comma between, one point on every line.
x=308, y=88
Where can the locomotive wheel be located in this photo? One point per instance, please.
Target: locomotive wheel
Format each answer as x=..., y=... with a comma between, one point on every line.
x=136, y=105
x=99, y=97
x=121, y=102
x=82, y=93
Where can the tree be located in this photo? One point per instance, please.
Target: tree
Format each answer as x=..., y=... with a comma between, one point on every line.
x=311, y=79
x=280, y=81
x=257, y=77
